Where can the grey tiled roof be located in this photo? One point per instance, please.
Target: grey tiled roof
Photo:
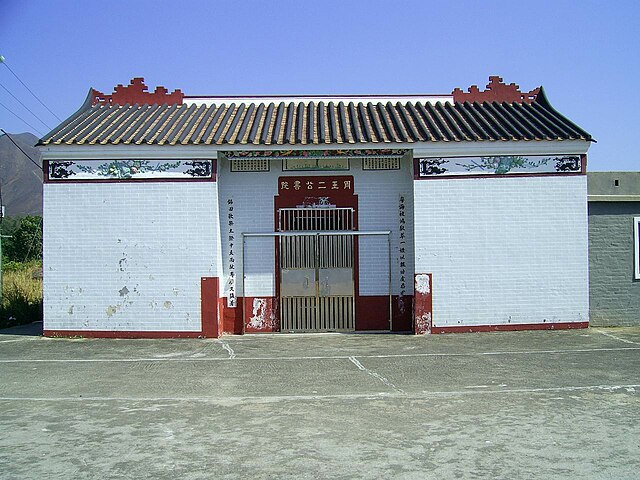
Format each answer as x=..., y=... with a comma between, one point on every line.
x=313, y=123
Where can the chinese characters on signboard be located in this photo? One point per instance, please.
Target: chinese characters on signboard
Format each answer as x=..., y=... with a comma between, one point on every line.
x=402, y=244
x=231, y=239
x=316, y=185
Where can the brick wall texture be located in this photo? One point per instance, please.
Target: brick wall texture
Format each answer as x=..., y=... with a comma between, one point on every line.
x=504, y=250
x=614, y=293
x=128, y=256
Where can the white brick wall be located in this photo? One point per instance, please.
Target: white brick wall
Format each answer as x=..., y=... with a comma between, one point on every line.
x=128, y=256
x=252, y=194
x=504, y=250
x=378, y=199
x=378, y=196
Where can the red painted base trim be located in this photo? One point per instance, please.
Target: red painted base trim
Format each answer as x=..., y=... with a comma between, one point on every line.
x=510, y=327
x=119, y=334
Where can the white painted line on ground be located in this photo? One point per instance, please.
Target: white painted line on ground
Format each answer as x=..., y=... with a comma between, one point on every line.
x=227, y=347
x=314, y=357
x=615, y=337
x=355, y=361
x=630, y=388
x=27, y=339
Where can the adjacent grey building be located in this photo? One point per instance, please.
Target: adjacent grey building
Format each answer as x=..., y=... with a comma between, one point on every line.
x=614, y=257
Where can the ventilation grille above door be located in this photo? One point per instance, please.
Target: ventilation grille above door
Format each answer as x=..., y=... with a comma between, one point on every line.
x=250, y=165
x=381, y=163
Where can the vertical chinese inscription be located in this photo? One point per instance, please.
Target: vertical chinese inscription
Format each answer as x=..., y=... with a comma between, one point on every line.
x=231, y=243
x=402, y=244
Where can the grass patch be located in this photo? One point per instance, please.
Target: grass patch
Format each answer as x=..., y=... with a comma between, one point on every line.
x=22, y=294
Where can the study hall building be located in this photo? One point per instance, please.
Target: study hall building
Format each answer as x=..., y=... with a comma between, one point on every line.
x=169, y=215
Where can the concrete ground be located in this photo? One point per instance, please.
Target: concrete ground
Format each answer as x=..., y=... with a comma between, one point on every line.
x=550, y=404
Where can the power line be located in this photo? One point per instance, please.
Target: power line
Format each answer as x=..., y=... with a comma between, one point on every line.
x=4, y=62
x=27, y=108
x=1, y=220
x=19, y=117
x=19, y=148
x=33, y=239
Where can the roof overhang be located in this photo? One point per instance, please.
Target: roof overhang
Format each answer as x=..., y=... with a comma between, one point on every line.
x=613, y=198
x=420, y=149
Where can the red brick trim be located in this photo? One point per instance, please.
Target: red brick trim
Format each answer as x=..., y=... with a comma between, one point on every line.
x=119, y=334
x=508, y=327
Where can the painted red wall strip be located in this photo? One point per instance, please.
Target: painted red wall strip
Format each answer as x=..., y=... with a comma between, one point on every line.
x=231, y=318
x=209, y=307
x=372, y=312
x=423, y=303
x=507, y=327
x=119, y=334
x=261, y=314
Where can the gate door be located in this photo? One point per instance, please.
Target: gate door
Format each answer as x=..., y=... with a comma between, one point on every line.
x=316, y=270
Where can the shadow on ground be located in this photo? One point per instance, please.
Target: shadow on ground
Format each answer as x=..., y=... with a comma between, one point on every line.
x=31, y=330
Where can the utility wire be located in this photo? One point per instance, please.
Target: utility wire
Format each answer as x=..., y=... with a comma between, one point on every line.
x=27, y=108
x=33, y=240
x=1, y=220
x=4, y=62
x=19, y=117
x=19, y=148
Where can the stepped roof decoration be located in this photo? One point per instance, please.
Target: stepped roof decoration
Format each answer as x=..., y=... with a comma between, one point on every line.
x=133, y=116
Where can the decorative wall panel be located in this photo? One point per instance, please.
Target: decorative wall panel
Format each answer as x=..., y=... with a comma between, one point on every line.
x=113, y=170
x=498, y=165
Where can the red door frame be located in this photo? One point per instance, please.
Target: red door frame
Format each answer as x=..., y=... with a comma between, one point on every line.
x=292, y=198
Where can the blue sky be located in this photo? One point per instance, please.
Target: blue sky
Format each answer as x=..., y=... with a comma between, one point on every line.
x=585, y=53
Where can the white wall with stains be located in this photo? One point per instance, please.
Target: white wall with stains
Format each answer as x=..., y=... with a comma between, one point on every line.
x=379, y=194
x=128, y=256
x=504, y=250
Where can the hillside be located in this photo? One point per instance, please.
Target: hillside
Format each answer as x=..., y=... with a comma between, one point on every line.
x=20, y=179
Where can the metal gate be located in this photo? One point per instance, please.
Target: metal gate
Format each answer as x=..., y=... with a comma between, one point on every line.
x=316, y=270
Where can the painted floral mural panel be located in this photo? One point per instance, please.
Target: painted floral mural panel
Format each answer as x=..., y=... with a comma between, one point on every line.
x=498, y=165
x=88, y=170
